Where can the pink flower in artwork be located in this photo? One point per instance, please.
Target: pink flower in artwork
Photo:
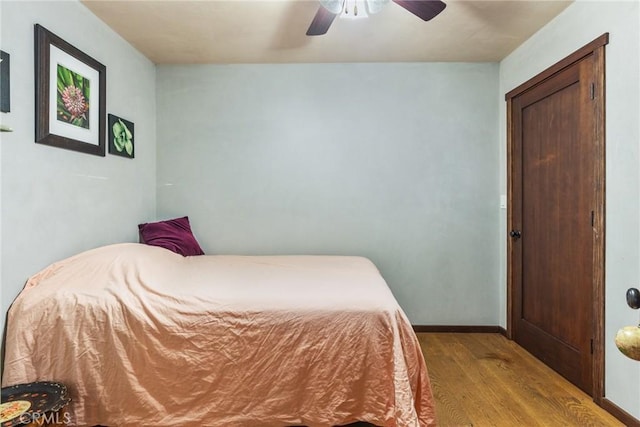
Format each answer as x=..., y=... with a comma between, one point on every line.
x=74, y=101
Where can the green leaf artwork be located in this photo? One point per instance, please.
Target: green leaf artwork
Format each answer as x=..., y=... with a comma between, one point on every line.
x=73, y=98
x=121, y=137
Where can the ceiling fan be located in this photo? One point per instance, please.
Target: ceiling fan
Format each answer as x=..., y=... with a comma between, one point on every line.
x=329, y=9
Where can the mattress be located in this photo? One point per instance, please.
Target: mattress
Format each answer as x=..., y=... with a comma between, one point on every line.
x=142, y=336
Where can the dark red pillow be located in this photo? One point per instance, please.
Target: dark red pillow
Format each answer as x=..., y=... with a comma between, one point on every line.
x=173, y=234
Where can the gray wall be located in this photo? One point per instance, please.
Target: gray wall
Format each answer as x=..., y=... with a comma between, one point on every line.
x=568, y=32
x=56, y=202
x=396, y=162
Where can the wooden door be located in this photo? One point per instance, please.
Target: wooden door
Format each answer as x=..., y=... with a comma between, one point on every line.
x=556, y=182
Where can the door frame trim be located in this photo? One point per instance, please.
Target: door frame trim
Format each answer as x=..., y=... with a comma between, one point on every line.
x=596, y=48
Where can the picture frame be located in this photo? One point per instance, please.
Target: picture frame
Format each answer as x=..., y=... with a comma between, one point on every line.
x=121, y=137
x=5, y=82
x=70, y=95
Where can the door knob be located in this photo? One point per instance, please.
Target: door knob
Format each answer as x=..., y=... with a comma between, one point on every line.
x=628, y=338
x=516, y=234
x=633, y=298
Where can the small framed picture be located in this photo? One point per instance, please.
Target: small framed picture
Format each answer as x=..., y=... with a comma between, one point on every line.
x=121, y=137
x=5, y=76
x=70, y=95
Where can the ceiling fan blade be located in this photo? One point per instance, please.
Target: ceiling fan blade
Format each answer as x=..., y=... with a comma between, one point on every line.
x=423, y=9
x=321, y=22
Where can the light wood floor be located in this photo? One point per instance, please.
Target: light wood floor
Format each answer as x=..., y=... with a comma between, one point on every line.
x=486, y=380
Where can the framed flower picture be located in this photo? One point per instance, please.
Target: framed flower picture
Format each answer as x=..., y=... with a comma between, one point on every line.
x=121, y=137
x=70, y=96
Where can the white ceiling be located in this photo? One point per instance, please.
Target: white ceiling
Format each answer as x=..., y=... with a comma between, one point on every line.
x=273, y=31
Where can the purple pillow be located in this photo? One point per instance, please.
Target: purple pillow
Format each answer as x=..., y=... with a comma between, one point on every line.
x=173, y=234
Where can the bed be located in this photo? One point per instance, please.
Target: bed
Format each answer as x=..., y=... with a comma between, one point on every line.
x=143, y=336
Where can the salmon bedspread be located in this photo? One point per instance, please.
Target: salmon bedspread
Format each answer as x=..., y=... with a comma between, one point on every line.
x=142, y=336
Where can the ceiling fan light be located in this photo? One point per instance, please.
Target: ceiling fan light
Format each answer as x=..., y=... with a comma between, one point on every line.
x=375, y=6
x=333, y=6
x=354, y=9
